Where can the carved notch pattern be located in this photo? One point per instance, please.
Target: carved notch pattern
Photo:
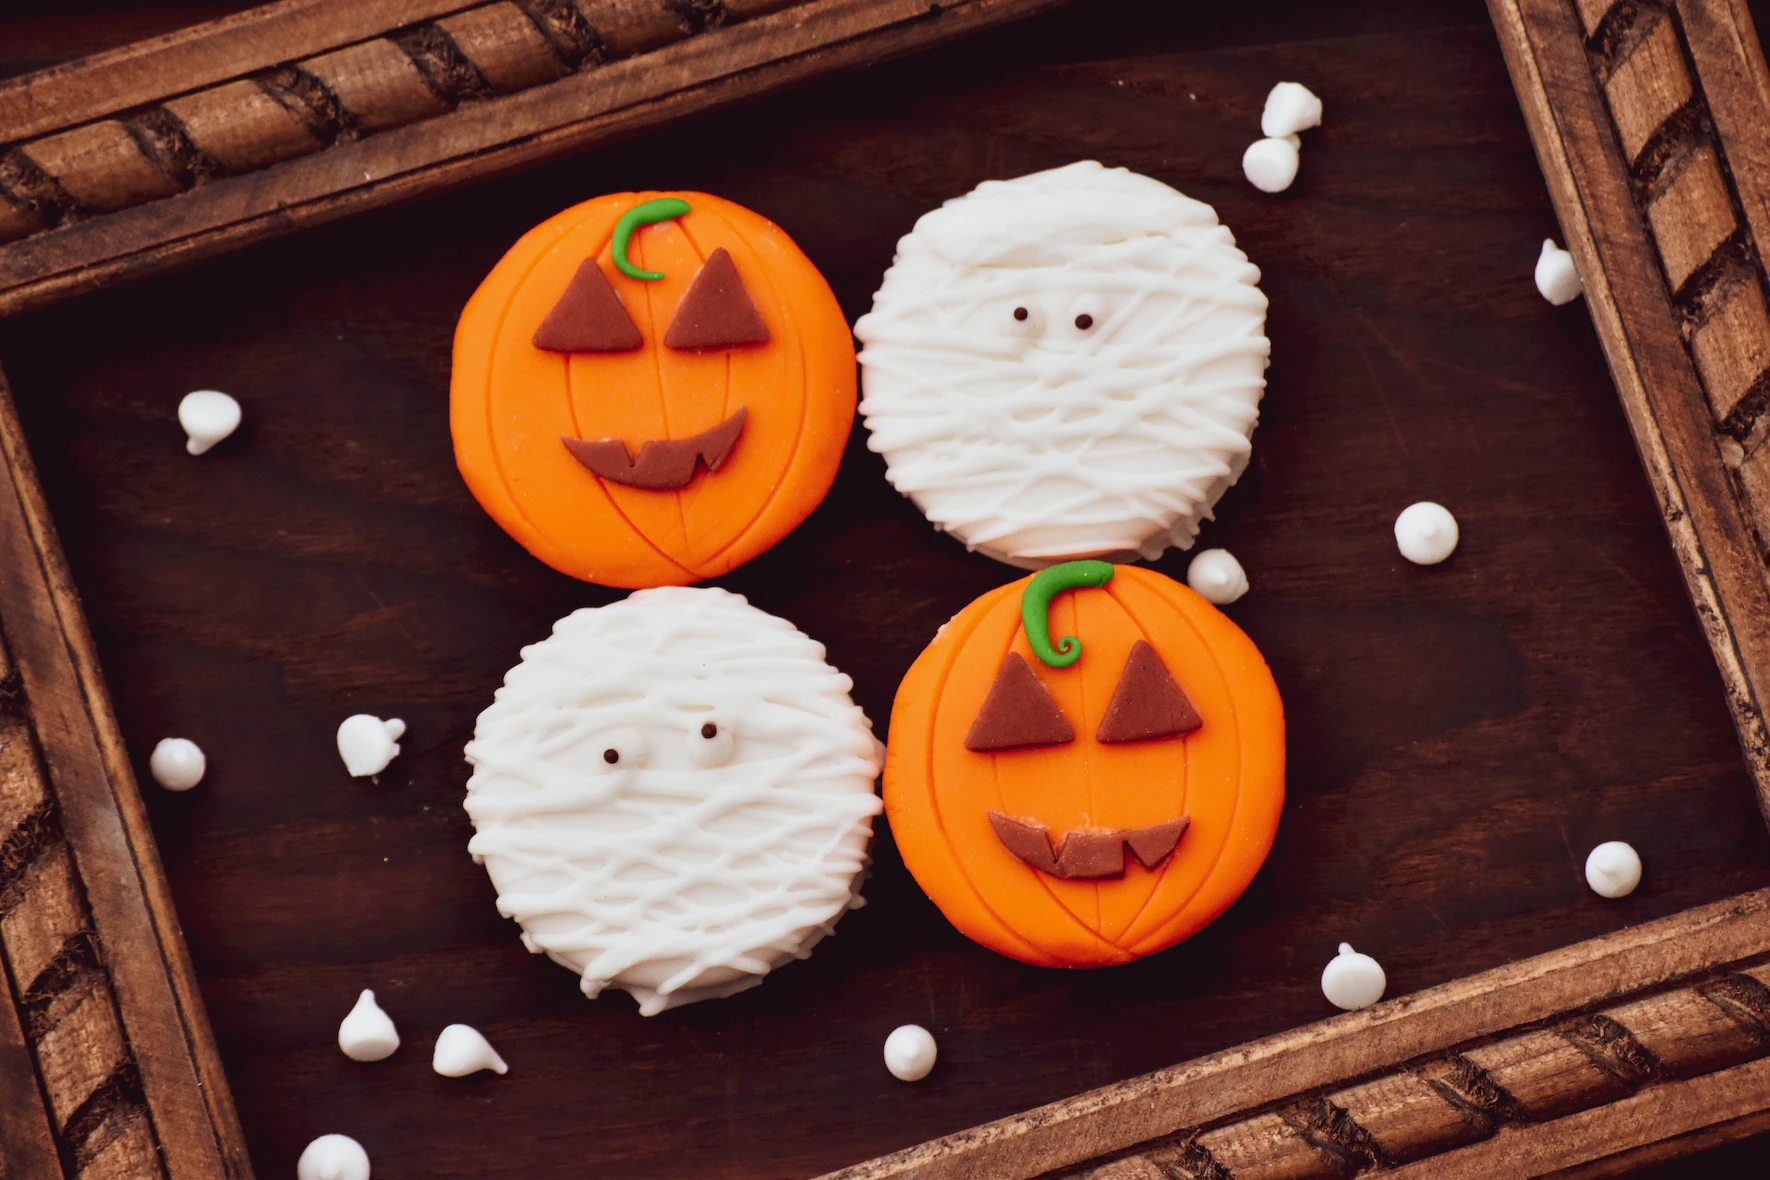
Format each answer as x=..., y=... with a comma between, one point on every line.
x=1446, y=1101
x=1685, y=191
x=302, y=107
x=60, y=991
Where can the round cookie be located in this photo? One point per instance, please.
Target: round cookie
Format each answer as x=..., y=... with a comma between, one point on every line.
x=1085, y=802
x=650, y=389
x=673, y=795
x=1066, y=365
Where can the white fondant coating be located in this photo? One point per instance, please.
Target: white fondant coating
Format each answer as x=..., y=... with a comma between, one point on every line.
x=208, y=416
x=1352, y=980
x=1271, y=164
x=177, y=764
x=1613, y=869
x=1426, y=533
x=910, y=1052
x=676, y=872
x=367, y=1033
x=367, y=743
x=1218, y=576
x=462, y=1049
x=1290, y=107
x=1557, y=280
x=333, y=1157
x=1036, y=441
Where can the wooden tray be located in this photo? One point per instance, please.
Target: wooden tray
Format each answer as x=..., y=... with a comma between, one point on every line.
x=1461, y=735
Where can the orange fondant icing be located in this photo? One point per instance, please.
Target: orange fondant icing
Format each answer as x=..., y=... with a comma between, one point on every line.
x=510, y=402
x=1228, y=775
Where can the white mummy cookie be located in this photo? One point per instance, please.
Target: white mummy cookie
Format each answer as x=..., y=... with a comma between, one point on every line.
x=1066, y=365
x=673, y=795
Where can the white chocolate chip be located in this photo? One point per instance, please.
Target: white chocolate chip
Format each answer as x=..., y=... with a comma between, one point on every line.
x=461, y=1050
x=1290, y=107
x=1217, y=576
x=910, y=1052
x=367, y=743
x=367, y=1034
x=1613, y=869
x=1426, y=533
x=1556, y=278
x=208, y=416
x=1271, y=164
x=177, y=764
x=333, y=1157
x=1352, y=980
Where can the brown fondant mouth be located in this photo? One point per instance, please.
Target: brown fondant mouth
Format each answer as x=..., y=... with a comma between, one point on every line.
x=663, y=463
x=1088, y=856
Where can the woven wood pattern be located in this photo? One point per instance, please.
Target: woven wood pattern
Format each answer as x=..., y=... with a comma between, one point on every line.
x=67, y=1008
x=107, y=1066
x=1684, y=185
x=340, y=96
x=1623, y=1047
x=1447, y=1101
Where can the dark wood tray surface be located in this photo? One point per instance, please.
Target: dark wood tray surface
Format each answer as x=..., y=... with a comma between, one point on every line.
x=1460, y=736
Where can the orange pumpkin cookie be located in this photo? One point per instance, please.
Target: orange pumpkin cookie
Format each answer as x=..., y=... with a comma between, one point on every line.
x=1087, y=803
x=651, y=388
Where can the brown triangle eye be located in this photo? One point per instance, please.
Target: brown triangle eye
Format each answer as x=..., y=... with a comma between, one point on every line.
x=589, y=317
x=1148, y=702
x=716, y=311
x=1018, y=711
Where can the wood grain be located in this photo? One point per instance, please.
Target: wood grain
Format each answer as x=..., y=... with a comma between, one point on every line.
x=1659, y=1064
x=86, y=199
x=1460, y=735
x=188, y=59
x=1639, y=171
x=327, y=559
x=123, y=1074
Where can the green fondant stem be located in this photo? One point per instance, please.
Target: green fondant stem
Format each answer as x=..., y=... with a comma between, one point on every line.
x=646, y=213
x=1035, y=607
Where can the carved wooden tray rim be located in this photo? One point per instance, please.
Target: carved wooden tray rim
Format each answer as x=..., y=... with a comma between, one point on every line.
x=1589, y=1059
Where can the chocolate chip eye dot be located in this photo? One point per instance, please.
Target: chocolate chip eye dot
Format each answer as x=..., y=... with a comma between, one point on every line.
x=1084, y=321
x=709, y=730
x=611, y=755
x=1020, y=313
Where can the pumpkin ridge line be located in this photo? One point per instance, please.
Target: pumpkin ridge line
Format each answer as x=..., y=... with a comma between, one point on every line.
x=601, y=484
x=694, y=246
x=571, y=404
x=1160, y=870
x=1235, y=724
x=636, y=245
x=1074, y=603
x=934, y=810
x=797, y=355
x=1185, y=788
x=497, y=334
x=798, y=352
x=1044, y=882
x=1170, y=595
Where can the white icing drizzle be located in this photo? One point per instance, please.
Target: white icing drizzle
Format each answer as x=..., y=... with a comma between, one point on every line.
x=691, y=866
x=1037, y=441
